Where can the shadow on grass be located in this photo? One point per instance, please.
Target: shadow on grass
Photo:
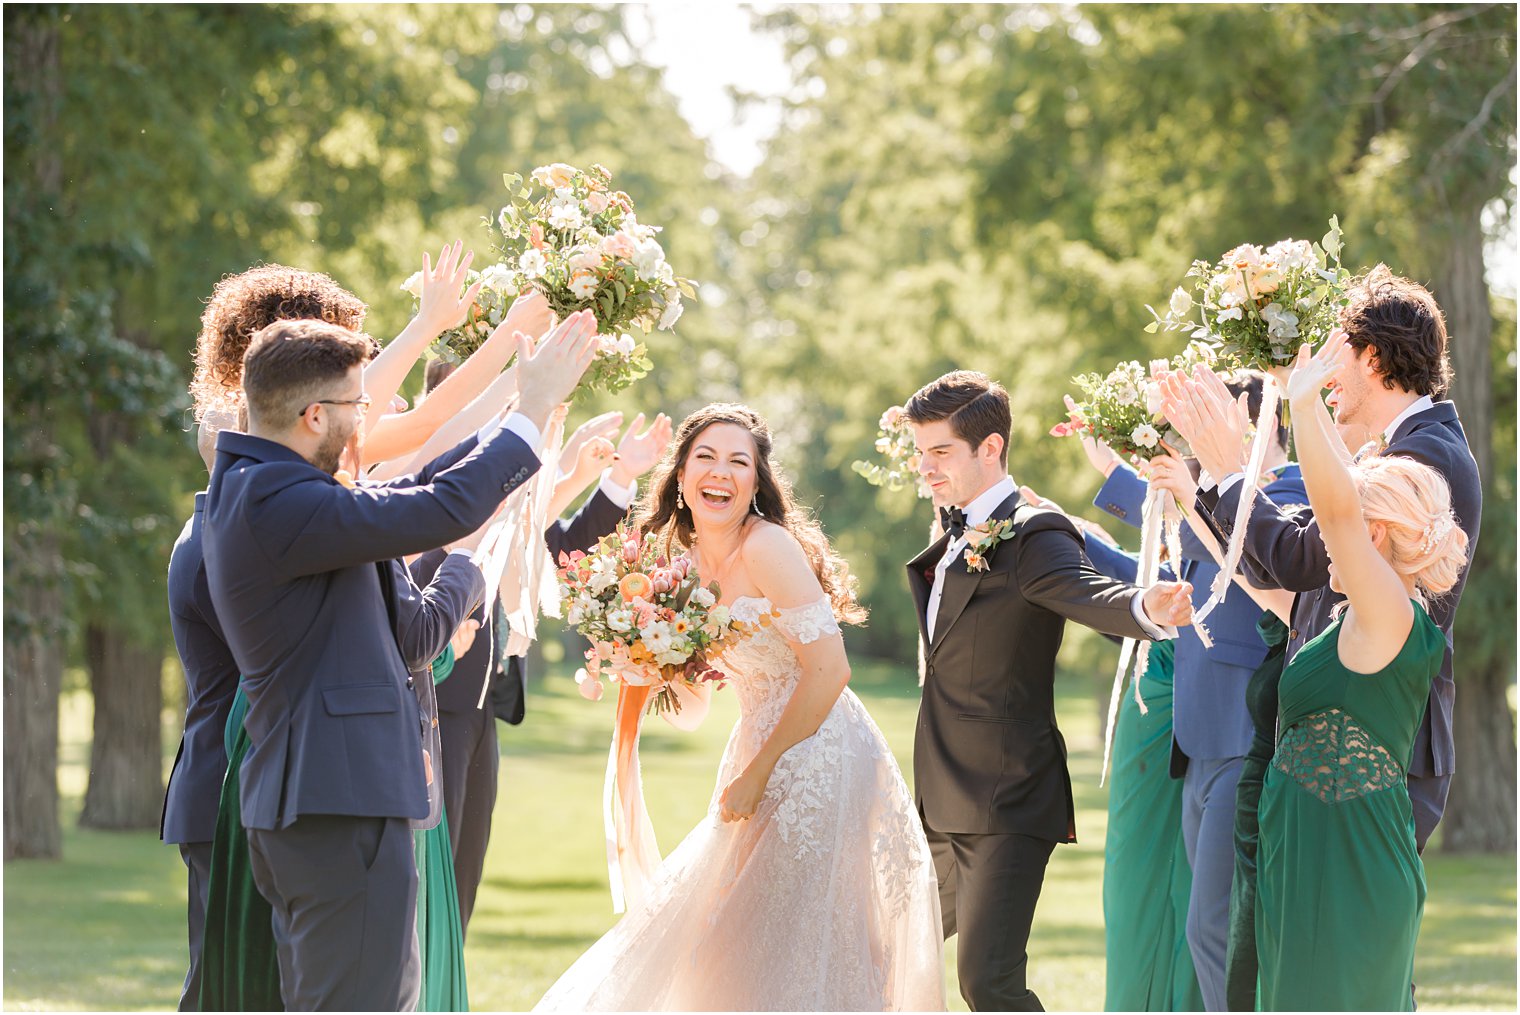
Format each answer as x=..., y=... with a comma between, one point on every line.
x=507, y=884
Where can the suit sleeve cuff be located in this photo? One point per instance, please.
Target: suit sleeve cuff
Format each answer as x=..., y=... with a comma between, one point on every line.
x=620, y=495
x=1155, y=631
x=1227, y=482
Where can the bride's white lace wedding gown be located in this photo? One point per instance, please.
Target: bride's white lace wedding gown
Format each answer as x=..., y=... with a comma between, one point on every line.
x=824, y=900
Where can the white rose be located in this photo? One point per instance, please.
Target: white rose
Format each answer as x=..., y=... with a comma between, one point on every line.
x=672, y=314
x=719, y=616
x=565, y=216
x=703, y=597
x=413, y=285
x=601, y=582
x=647, y=257
x=532, y=263
x=1145, y=436
x=1181, y=302
x=584, y=259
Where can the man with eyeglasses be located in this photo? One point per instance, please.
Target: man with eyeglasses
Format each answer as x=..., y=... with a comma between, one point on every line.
x=336, y=769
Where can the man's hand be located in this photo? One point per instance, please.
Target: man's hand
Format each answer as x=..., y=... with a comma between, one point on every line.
x=639, y=452
x=1169, y=604
x=464, y=637
x=1313, y=373
x=549, y=373
x=1212, y=422
x=441, y=307
x=1100, y=455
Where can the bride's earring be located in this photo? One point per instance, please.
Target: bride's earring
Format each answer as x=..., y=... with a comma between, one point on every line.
x=680, y=501
x=755, y=505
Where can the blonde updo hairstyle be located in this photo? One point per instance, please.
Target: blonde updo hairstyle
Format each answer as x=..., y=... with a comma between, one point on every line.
x=1413, y=503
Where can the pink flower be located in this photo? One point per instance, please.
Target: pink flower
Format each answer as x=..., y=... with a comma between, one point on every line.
x=620, y=245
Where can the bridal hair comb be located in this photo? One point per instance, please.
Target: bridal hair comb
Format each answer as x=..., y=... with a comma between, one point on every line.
x=1438, y=529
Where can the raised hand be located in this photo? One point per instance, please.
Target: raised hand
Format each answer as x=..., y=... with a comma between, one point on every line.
x=548, y=371
x=1313, y=373
x=638, y=452
x=441, y=307
x=605, y=426
x=1100, y=455
x=1169, y=604
x=1212, y=422
x=530, y=314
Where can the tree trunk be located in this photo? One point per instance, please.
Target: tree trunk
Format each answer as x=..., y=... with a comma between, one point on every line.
x=34, y=648
x=1480, y=814
x=126, y=787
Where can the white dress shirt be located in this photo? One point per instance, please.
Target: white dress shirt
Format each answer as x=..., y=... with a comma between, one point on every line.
x=977, y=512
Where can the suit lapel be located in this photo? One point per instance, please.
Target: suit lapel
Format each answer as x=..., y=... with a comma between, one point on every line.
x=960, y=583
x=921, y=580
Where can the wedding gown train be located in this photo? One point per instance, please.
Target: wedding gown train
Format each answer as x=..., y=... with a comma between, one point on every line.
x=824, y=900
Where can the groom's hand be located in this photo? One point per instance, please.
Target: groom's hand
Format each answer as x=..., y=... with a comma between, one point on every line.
x=1169, y=604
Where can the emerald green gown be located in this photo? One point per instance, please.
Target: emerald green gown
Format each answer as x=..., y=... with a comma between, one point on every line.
x=1340, y=886
x=240, y=967
x=1146, y=877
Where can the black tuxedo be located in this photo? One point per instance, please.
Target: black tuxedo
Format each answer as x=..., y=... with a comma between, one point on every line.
x=471, y=756
x=1283, y=549
x=989, y=763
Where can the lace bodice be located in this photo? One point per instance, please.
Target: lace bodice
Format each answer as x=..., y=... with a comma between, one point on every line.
x=763, y=669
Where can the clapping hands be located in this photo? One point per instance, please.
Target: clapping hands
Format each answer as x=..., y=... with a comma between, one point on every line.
x=1212, y=421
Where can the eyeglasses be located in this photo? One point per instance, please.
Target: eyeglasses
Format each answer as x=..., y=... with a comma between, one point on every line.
x=363, y=402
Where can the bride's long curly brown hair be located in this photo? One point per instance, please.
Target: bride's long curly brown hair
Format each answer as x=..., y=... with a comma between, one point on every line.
x=659, y=513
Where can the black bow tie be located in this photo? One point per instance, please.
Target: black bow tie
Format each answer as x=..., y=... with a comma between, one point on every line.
x=953, y=520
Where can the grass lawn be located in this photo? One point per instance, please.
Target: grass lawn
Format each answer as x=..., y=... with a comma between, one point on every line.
x=104, y=928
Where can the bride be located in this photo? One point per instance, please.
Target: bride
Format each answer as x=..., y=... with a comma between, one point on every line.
x=809, y=885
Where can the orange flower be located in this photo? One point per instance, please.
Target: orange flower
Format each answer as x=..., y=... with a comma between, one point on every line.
x=635, y=586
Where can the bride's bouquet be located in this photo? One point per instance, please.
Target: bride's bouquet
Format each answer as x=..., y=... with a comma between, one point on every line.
x=650, y=620
x=1260, y=305
x=1123, y=407
x=894, y=443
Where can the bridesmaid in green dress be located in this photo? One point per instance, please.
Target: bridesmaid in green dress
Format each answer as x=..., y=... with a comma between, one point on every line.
x=1340, y=887
x=1146, y=877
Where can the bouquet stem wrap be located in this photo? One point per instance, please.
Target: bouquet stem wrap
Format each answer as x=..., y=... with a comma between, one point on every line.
x=1266, y=426
x=632, y=852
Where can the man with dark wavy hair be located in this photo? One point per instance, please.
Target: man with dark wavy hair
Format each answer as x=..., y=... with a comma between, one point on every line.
x=1393, y=386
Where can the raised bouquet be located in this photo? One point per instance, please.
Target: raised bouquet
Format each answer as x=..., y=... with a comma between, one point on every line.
x=650, y=620
x=1123, y=407
x=1260, y=305
x=894, y=443
x=566, y=234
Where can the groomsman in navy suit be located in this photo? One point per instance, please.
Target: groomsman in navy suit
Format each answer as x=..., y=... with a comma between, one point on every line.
x=336, y=769
x=1211, y=729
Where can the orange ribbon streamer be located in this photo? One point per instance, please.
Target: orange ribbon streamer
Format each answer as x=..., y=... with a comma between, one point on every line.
x=632, y=852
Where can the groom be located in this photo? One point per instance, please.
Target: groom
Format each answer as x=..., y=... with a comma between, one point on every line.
x=989, y=764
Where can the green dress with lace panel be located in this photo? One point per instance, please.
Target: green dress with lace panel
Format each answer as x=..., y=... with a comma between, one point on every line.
x=1340, y=884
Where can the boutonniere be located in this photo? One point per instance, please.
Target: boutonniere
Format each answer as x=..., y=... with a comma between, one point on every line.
x=983, y=539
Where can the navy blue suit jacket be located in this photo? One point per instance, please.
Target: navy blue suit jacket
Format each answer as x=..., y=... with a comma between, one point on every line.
x=211, y=676
x=291, y=559
x=1283, y=549
x=1209, y=717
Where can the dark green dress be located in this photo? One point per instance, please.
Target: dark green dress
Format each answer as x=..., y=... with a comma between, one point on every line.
x=1340, y=886
x=1261, y=703
x=240, y=966
x=1146, y=877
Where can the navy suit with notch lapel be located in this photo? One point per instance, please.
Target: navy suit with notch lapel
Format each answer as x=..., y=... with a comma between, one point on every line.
x=297, y=569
